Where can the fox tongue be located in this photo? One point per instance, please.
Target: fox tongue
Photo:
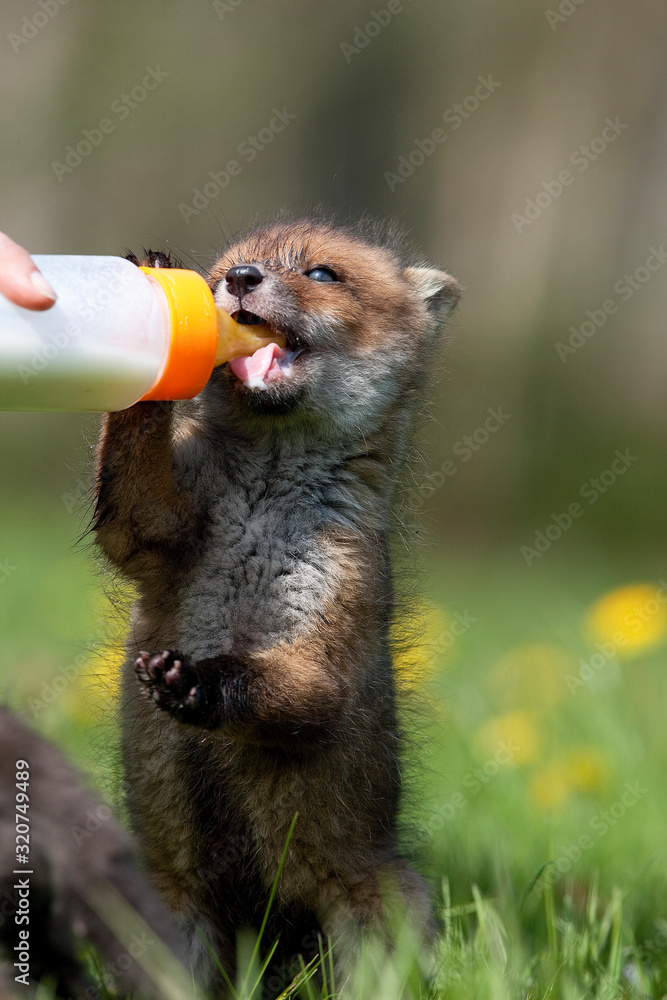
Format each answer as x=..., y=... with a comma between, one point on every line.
x=256, y=366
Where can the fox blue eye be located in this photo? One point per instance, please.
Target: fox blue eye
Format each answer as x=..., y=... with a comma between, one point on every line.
x=322, y=274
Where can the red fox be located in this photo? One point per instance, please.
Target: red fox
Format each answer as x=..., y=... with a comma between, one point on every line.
x=254, y=521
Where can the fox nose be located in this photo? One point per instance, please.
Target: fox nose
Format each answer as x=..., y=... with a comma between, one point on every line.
x=242, y=279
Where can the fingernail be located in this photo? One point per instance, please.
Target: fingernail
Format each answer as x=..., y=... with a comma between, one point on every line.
x=41, y=285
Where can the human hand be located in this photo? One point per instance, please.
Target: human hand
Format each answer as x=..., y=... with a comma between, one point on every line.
x=20, y=281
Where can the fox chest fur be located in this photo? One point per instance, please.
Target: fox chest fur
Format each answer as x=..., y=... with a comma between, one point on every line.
x=254, y=522
x=264, y=566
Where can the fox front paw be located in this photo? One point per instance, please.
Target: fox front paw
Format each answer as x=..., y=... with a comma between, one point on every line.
x=171, y=682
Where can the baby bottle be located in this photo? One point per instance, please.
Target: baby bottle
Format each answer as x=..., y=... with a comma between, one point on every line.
x=117, y=334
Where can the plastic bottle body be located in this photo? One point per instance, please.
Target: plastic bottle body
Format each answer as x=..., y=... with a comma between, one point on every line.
x=102, y=345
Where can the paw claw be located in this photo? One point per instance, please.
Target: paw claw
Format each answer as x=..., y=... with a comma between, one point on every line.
x=191, y=698
x=172, y=676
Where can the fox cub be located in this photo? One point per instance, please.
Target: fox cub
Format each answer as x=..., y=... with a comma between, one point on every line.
x=254, y=521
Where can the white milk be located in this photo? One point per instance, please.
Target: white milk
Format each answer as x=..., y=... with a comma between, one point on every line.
x=102, y=345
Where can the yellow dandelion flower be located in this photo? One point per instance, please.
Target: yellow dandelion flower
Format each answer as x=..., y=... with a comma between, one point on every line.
x=97, y=686
x=588, y=769
x=531, y=675
x=518, y=733
x=417, y=641
x=630, y=619
x=582, y=770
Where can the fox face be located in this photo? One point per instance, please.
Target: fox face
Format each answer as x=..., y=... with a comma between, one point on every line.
x=356, y=321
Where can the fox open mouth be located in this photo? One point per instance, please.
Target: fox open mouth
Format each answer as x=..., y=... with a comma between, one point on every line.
x=247, y=318
x=269, y=365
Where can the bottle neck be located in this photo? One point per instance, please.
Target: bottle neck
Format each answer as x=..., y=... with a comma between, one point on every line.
x=193, y=325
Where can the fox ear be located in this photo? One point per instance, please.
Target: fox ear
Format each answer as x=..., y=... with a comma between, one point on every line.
x=439, y=290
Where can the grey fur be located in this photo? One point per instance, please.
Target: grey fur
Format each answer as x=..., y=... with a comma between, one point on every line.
x=255, y=523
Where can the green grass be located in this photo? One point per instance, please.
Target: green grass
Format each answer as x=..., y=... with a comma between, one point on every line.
x=540, y=805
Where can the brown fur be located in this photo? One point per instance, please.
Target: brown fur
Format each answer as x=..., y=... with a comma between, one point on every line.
x=247, y=493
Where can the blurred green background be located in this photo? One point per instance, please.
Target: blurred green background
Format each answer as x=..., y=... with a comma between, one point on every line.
x=360, y=101
x=522, y=145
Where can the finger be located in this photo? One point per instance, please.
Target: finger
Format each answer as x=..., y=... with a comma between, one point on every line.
x=20, y=281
